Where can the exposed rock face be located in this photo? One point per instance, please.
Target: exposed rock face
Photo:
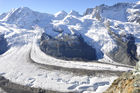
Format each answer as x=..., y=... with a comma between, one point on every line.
x=134, y=13
x=131, y=48
x=3, y=44
x=125, y=52
x=127, y=83
x=115, y=12
x=67, y=47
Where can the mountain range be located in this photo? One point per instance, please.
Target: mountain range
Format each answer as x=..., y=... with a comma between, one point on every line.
x=104, y=38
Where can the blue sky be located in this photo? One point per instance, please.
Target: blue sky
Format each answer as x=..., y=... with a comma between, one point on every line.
x=53, y=6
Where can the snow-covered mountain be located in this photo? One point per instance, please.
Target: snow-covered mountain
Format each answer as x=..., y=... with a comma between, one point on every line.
x=112, y=31
x=125, y=12
x=61, y=15
x=115, y=12
x=26, y=18
x=123, y=19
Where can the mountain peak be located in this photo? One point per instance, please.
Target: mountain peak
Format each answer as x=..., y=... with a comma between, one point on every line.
x=115, y=12
x=16, y=13
x=138, y=2
x=60, y=14
x=74, y=13
x=24, y=17
x=23, y=9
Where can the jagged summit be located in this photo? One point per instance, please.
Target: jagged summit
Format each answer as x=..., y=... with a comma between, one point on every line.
x=116, y=12
x=74, y=13
x=61, y=14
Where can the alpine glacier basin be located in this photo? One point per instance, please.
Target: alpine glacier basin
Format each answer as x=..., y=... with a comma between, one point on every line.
x=24, y=63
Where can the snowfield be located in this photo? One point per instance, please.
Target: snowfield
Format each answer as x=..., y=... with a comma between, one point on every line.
x=24, y=63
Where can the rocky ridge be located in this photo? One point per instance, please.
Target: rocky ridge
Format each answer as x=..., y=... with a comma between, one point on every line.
x=67, y=47
x=128, y=82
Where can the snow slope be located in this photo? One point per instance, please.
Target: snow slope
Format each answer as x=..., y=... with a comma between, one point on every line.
x=26, y=18
x=60, y=15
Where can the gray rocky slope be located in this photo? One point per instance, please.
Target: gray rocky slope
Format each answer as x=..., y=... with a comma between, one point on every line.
x=3, y=44
x=67, y=47
x=126, y=50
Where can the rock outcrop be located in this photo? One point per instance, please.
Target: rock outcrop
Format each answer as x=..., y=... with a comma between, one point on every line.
x=3, y=44
x=125, y=52
x=67, y=47
x=127, y=83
